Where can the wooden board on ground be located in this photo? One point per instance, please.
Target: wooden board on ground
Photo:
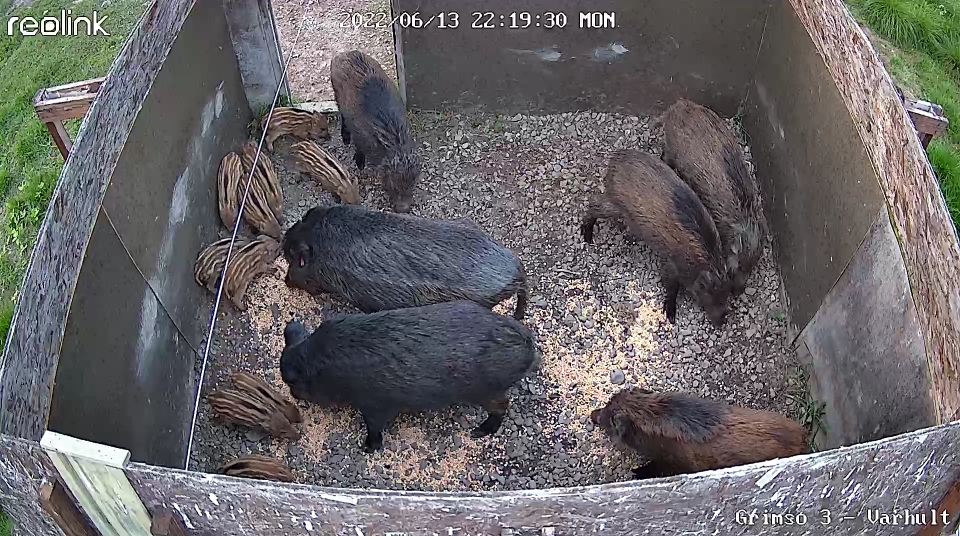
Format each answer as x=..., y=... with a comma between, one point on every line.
x=94, y=474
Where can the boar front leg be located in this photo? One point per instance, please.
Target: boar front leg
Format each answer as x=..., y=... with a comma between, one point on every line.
x=377, y=421
x=672, y=285
x=344, y=131
x=595, y=210
x=497, y=409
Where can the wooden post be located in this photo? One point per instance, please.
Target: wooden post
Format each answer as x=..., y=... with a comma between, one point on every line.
x=54, y=105
x=56, y=501
x=928, y=119
x=94, y=473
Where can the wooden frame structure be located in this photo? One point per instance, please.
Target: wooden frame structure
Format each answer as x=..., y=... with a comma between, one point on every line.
x=918, y=471
x=92, y=496
x=928, y=119
x=54, y=105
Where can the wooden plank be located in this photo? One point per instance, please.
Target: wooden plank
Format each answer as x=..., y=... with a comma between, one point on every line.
x=326, y=107
x=56, y=501
x=61, y=138
x=94, y=474
x=398, y=39
x=28, y=365
x=167, y=522
x=253, y=30
x=928, y=239
x=927, y=118
x=87, y=450
x=949, y=504
x=69, y=101
x=64, y=108
x=84, y=86
x=910, y=471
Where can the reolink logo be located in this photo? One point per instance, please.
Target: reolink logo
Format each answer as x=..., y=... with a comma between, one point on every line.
x=64, y=24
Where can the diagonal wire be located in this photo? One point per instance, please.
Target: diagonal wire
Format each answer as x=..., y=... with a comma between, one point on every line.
x=233, y=239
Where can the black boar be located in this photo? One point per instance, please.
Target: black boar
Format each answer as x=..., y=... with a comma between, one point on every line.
x=408, y=360
x=382, y=260
x=666, y=214
x=706, y=154
x=373, y=117
x=680, y=433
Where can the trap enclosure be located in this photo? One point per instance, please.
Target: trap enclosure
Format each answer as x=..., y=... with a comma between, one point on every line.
x=110, y=326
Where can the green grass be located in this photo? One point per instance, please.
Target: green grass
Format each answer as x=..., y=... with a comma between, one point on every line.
x=920, y=44
x=811, y=413
x=6, y=526
x=29, y=162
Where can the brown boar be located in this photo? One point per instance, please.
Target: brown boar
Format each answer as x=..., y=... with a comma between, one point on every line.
x=230, y=177
x=258, y=466
x=665, y=214
x=250, y=260
x=263, y=209
x=706, y=154
x=374, y=119
x=211, y=260
x=265, y=180
x=327, y=170
x=301, y=124
x=680, y=433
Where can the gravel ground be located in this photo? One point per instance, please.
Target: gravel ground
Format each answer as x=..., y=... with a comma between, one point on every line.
x=594, y=308
x=328, y=29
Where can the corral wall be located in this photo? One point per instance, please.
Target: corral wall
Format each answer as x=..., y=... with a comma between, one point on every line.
x=839, y=493
x=701, y=49
x=119, y=337
x=842, y=268
x=138, y=320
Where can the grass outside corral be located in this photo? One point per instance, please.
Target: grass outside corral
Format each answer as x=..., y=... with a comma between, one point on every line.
x=29, y=161
x=6, y=526
x=919, y=41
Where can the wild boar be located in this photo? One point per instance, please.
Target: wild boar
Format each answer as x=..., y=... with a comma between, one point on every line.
x=665, y=214
x=706, y=154
x=680, y=433
x=409, y=360
x=374, y=119
x=382, y=260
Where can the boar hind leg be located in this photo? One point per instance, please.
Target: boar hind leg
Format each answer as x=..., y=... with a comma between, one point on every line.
x=672, y=286
x=595, y=210
x=376, y=421
x=650, y=470
x=358, y=159
x=497, y=409
x=344, y=131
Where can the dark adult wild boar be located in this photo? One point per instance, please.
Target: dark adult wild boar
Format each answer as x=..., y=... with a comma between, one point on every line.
x=680, y=433
x=705, y=153
x=409, y=360
x=665, y=214
x=373, y=117
x=381, y=260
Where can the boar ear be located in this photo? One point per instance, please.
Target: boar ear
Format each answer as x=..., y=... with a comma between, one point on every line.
x=620, y=424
